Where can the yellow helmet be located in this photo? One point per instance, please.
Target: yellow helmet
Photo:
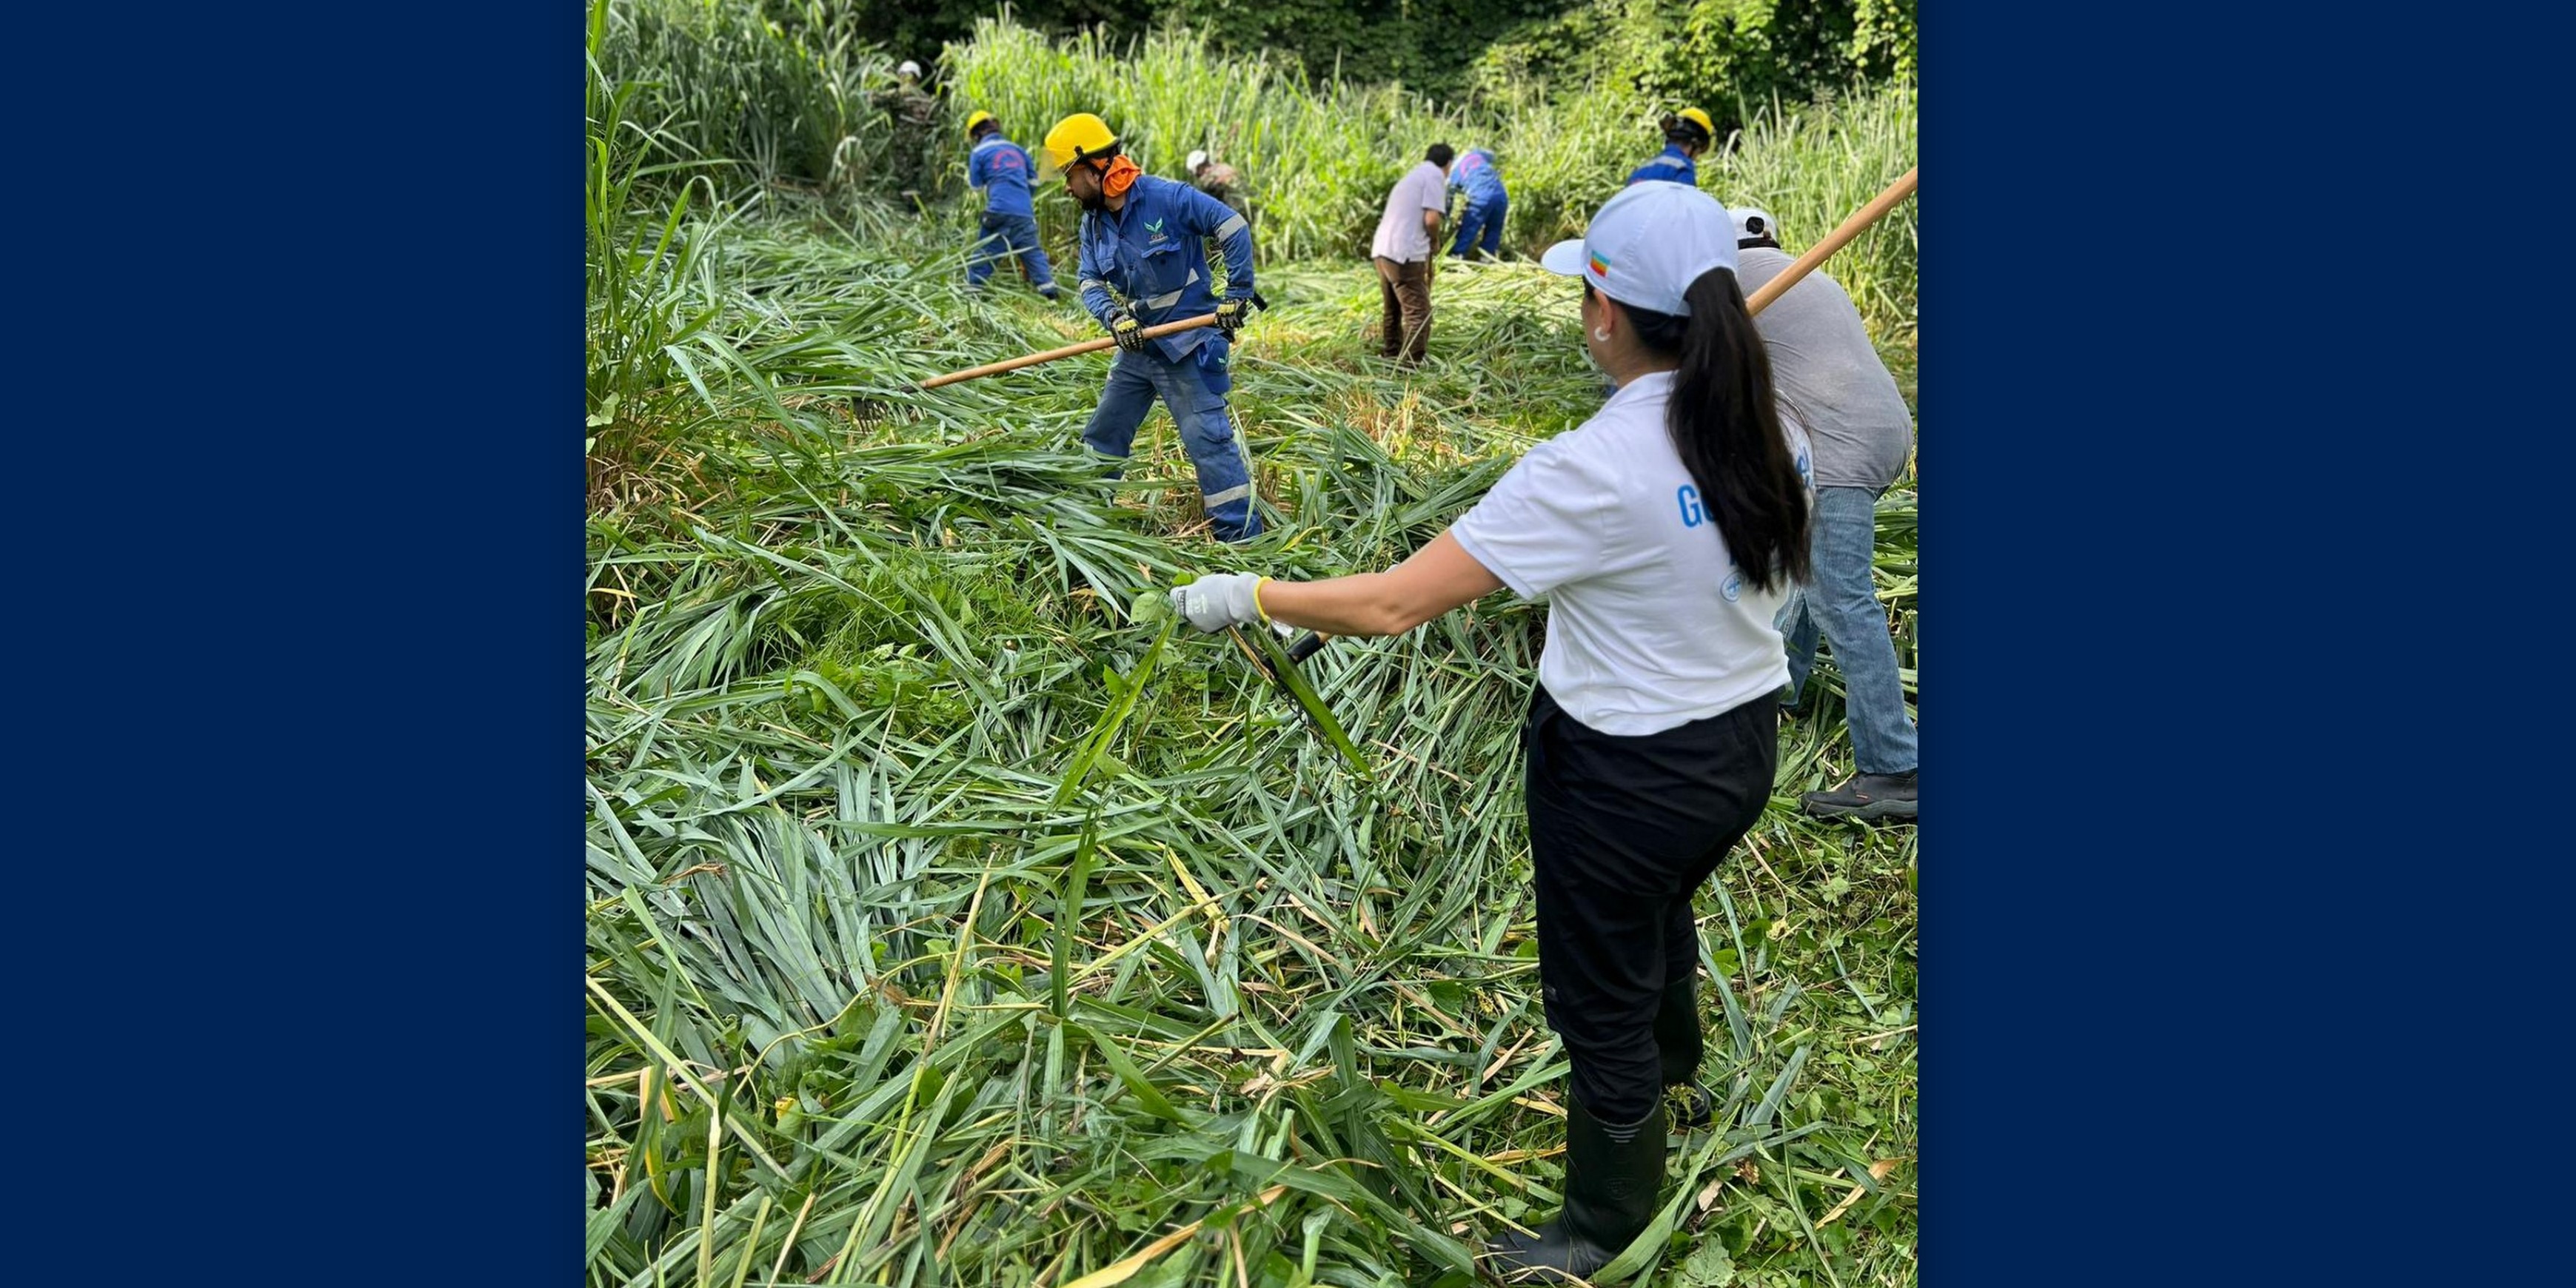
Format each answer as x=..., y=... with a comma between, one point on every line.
x=1079, y=137
x=974, y=119
x=1707, y=128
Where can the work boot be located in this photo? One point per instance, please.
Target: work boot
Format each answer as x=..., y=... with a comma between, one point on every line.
x=1678, y=1046
x=1611, y=1176
x=1865, y=797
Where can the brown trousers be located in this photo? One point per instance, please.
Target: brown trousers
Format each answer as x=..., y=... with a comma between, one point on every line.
x=1404, y=294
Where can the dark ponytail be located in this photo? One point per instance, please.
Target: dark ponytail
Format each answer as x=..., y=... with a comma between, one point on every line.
x=1727, y=427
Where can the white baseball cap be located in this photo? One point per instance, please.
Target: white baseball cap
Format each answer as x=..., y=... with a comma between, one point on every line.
x=1648, y=244
x=1754, y=221
x=1197, y=158
x=908, y=68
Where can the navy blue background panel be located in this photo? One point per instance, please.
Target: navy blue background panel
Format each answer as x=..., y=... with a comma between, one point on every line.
x=299, y=511
x=2233, y=385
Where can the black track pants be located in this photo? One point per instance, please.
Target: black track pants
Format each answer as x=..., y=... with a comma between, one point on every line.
x=1622, y=831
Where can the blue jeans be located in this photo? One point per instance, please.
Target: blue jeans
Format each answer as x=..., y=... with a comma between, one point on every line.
x=1194, y=390
x=1481, y=224
x=1005, y=236
x=1842, y=602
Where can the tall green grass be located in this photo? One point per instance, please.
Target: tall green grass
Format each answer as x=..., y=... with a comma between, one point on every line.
x=756, y=101
x=1812, y=166
x=1320, y=158
x=658, y=199
x=639, y=305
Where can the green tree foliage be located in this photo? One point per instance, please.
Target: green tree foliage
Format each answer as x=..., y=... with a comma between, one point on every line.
x=1728, y=57
x=1719, y=53
x=1883, y=37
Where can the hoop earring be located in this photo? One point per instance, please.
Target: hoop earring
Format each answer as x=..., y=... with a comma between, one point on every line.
x=1601, y=335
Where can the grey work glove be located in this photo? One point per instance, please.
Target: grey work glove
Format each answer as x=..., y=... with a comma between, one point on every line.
x=1219, y=600
x=1129, y=333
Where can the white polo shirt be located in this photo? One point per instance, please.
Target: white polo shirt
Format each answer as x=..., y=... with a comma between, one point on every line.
x=1649, y=625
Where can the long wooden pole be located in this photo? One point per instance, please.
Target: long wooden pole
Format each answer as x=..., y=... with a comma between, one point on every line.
x=1068, y=351
x=1818, y=253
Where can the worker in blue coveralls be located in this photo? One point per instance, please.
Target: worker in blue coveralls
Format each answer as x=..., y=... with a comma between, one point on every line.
x=1687, y=134
x=1143, y=243
x=1001, y=169
x=1481, y=226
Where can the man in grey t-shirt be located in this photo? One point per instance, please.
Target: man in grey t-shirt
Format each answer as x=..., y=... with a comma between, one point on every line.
x=1402, y=249
x=1832, y=384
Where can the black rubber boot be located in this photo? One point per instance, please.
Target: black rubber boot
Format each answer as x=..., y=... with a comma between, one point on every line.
x=1677, y=1043
x=1610, y=1186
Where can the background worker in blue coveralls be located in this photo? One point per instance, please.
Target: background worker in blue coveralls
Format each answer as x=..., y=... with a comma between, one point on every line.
x=1480, y=225
x=1143, y=261
x=1687, y=134
x=1001, y=169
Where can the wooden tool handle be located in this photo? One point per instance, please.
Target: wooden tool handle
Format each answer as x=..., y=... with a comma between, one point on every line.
x=1817, y=254
x=1068, y=351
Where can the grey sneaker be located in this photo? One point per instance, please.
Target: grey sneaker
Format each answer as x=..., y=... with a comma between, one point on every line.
x=1866, y=797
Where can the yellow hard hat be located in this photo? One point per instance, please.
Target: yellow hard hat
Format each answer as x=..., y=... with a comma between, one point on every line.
x=974, y=119
x=1700, y=119
x=1079, y=137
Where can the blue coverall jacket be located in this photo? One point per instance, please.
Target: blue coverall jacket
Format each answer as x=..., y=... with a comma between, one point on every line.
x=1152, y=255
x=1671, y=164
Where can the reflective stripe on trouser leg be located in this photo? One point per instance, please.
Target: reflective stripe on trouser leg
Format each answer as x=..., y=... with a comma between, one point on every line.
x=1123, y=404
x=1224, y=468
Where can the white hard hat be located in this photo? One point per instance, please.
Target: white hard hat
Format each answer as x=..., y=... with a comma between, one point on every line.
x=908, y=68
x=1198, y=158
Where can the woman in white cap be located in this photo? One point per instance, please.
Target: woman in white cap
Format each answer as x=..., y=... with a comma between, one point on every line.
x=1665, y=532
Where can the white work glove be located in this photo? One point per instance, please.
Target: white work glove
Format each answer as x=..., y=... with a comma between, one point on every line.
x=1218, y=600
